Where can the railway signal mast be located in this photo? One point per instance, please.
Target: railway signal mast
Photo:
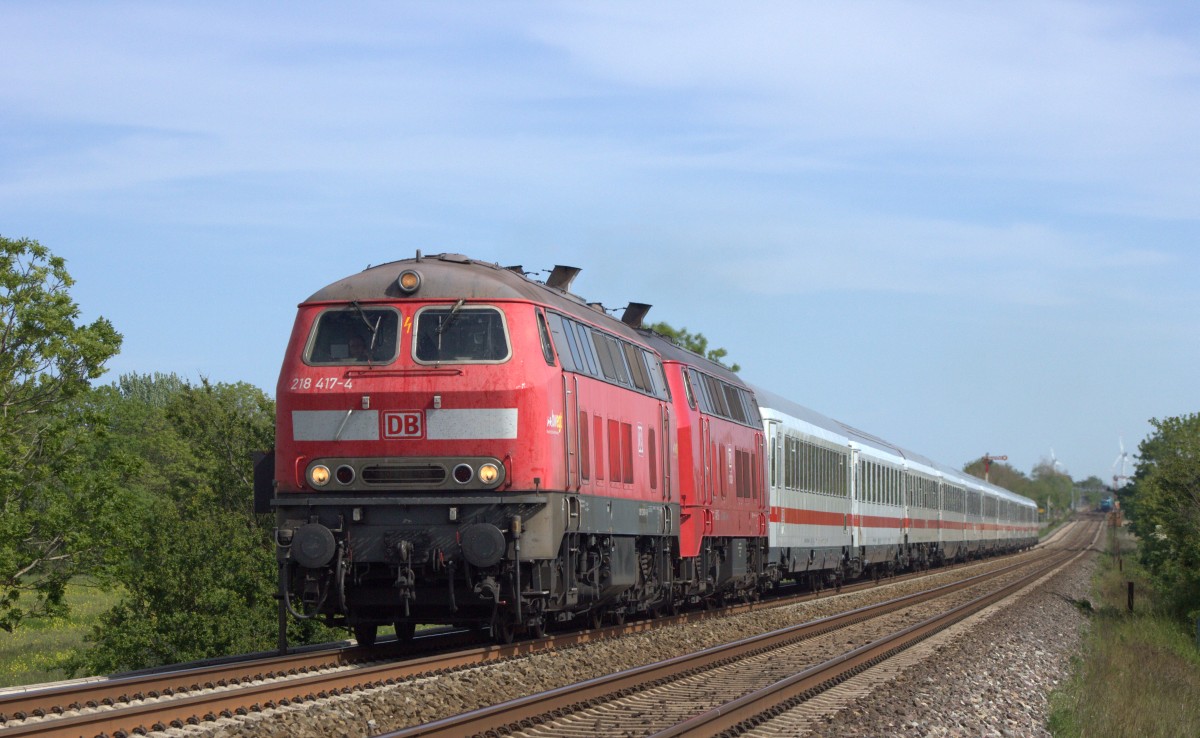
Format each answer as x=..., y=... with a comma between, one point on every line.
x=987, y=464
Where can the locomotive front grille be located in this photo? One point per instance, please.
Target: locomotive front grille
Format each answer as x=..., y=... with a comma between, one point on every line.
x=414, y=474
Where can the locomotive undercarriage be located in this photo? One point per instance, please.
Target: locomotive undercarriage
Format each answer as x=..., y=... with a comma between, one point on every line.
x=518, y=561
x=523, y=561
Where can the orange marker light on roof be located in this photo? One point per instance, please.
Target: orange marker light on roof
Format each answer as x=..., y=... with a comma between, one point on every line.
x=408, y=281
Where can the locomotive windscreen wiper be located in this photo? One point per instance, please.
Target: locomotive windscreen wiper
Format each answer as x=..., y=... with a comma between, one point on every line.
x=450, y=318
x=374, y=327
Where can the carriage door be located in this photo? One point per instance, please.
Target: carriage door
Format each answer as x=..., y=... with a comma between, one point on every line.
x=856, y=507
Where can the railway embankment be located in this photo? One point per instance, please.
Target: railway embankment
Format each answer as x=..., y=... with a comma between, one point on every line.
x=429, y=699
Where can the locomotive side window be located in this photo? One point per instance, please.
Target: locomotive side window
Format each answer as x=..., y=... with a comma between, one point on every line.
x=687, y=389
x=460, y=334
x=597, y=354
x=701, y=393
x=567, y=353
x=658, y=376
x=585, y=348
x=637, y=365
x=577, y=340
x=354, y=335
x=544, y=333
x=733, y=401
x=614, y=350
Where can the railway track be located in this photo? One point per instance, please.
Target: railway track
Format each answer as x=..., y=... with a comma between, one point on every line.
x=731, y=689
x=156, y=701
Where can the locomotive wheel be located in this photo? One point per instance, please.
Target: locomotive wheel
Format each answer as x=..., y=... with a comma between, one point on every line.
x=595, y=619
x=405, y=630
x=538, y=629
x=504, y=632
x=619, y=617
x=365, y=634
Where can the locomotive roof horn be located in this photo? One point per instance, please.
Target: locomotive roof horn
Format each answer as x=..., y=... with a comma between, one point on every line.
x=635, y=312
x=561, y=277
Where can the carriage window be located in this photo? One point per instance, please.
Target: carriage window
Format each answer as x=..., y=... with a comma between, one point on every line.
x=354, y=335
x=460, y=334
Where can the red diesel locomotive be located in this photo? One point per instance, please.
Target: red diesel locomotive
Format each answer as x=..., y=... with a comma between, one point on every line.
x=457, y=443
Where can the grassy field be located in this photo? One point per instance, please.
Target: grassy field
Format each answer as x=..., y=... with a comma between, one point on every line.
x=1139, y=674
x=35, y=652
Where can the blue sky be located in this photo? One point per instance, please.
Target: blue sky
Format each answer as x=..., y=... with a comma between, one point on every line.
x=965, y=227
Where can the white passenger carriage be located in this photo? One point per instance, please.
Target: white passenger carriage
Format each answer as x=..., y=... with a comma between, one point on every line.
x=843, y=501
x=810, y=481
x=923, y=514
x=878, y=502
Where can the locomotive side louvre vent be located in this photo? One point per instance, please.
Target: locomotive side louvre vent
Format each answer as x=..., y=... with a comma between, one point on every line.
x=415, y=474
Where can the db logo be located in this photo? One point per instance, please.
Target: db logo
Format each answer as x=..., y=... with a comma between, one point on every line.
x=403, y=425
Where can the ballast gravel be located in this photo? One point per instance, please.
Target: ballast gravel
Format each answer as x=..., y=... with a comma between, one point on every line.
x=989, y=679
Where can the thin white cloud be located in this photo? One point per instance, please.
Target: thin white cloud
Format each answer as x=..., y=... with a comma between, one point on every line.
x=1082, y=94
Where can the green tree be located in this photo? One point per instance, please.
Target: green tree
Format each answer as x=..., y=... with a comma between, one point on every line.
x=1050, y=487
x=1164, y=509
x=51, y=509
x=694, y=342
x=1000, y=474
x=1091, y=491
x=195, y=565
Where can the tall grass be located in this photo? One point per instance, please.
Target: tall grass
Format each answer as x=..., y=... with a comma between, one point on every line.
x=1139, y=673
x=37, y=650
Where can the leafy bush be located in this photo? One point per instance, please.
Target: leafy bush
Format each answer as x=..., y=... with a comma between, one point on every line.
x=1163, y=504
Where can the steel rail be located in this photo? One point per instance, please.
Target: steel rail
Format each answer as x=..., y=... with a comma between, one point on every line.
x=56, y=699
x=17, y=706
x=228, y=694
x=514, y=714
x=757, y=707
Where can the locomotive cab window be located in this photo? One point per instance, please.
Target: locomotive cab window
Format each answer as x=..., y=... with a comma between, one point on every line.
x=354, y=335
x=461, y=334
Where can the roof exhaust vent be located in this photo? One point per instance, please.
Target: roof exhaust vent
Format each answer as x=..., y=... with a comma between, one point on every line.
x=561, y=277
x=635, y=312
x=516, y=268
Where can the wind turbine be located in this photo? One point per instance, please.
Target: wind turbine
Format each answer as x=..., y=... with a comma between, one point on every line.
x=1119, y=465
x=1054, y=463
